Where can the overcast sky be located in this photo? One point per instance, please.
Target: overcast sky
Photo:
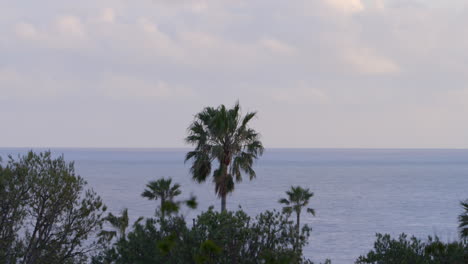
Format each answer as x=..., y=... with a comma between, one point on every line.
x=320, y=73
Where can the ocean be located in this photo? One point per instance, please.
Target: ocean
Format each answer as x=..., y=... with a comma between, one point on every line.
x=357, y=192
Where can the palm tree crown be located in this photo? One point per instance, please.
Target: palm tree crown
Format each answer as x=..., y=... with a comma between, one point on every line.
x=162, y=190
x=298, y=198
x=463, y=219
x=222, y=135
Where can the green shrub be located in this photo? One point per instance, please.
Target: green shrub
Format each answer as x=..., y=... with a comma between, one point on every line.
x=46, y=214
x=406, y=250
x=215, y=237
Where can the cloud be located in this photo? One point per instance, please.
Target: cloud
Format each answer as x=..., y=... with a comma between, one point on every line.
x=301, y=93
x=368, y=62
x=199, y=6
x=346, y=6
x=153, y=40
x=124, y=87
x=143, y=40
x=457, y=98
x=379, y=4
x=71, y=26
x=277, y=46
x=107, y=15
x=17, y=85
x=65, y=32
x=26, y=31
x=8, y=74
x=214, y=52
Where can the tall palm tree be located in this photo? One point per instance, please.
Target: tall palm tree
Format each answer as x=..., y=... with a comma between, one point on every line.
x=164, y=191
x=298, y=198
x=463, y=219
x=223, y=136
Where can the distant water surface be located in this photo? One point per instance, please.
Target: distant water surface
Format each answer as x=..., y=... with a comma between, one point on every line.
x=358, y=192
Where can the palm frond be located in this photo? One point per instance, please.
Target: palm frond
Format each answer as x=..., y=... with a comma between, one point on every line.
x=190, y=155
x=107, y=235
x=124, y=221
x=201, y=166
x=311, y=211
x=112, y=220
x=247, y=118
x=192, y=202
x=229, y=184
x=284, y=201
x=243, y=163
x=138, y=221
x=287, y=210
x=170, y=207
x=463, y=221
x=148, y=194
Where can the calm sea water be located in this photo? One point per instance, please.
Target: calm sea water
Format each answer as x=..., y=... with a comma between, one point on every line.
x=357, y=192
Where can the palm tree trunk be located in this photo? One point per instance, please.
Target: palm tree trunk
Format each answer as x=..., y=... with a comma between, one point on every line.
x=224, y=184
x=298, y=224
x=223, y=202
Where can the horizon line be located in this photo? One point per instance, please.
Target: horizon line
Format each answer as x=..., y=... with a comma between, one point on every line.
x=274, y=148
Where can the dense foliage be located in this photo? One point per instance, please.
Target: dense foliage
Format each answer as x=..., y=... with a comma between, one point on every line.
x=388, y=250
x=404, y=250
x=214, y=237
x=46, y=214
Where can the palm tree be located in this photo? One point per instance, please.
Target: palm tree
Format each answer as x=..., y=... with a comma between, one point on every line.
x=164, y=191
x=222, y=135
x=119, y=223
x=298, y=198
x=463, y=219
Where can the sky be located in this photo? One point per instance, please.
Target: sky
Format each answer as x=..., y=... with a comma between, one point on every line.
x=320, y=73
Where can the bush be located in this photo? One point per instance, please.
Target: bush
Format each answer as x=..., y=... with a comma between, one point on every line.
x=226, y=237
x=46, y=215
x=414, y=251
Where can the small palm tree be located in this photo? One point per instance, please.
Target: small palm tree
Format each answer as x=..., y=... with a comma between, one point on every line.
x=222, y=135
x=463, y=219
x=119, y=223
x=164, y=191
x=298, y=198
